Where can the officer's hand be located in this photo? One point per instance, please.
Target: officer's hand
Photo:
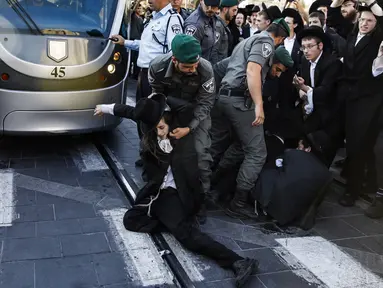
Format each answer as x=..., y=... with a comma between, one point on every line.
x=98, y=111
x=178, y=133
x=259, y=115
x=121, y=40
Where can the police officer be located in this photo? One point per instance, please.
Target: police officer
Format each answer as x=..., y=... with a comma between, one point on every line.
x=241, y=88
x=188, y=77
x=224, y=41
x=202, y=25
x=155, y=40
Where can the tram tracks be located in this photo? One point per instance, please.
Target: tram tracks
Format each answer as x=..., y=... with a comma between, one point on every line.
x=127, y=185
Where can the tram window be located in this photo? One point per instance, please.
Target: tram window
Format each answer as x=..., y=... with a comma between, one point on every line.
x=75, y=16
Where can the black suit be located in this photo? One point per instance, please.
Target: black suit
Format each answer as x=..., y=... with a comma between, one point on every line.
x=326, y=74
x=363, y=96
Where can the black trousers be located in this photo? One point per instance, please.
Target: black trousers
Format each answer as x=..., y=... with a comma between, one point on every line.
x=143, y=91
x=167, y=212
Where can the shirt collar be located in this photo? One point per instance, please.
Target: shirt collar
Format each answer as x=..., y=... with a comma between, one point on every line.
x=317, y=60
x=163, y=11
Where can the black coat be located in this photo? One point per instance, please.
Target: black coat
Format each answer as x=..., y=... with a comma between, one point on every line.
x=362, y=91
x=326, y=74
x=183, y=162
x=287, y=192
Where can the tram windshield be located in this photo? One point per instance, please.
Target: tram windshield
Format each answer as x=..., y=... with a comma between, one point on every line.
x=85, y=18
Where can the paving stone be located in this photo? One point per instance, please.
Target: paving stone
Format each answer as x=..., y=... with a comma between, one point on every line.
x=222, y=216
x=374, y=243
x=286, y=280
x=253, y=282
x=328, y=209
x=17, y=275
x=76, y=272
x=72, y=209
x=30, y=248
x=41, y=173
x=228, y=242
x=38, y=152
x=21, y=230
x=67, y=176
x=333, y=229
x=365, y=225
x=22, y=163
x=43, y=198
x=3, y=232
x=70, y=163
x=51, y=162
x=269, y=262
x=96, y=178
x=34, y=213
x=84, y=244
x=25, y=197
x=92, y=225
x=110, y=268
x=246, y=246
x=55, y=228
x=352, y=244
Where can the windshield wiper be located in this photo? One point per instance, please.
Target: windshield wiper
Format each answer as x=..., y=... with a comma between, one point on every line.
x=17, y=8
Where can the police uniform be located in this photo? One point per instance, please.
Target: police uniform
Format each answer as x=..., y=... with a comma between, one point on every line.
x=221, y=46
x=238, y=108
x=198, y=90
x=155, y=40
x=203, y=28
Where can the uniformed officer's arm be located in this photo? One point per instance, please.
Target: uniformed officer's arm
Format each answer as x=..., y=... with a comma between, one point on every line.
x=195, y=30
x=157, y=86
x=220, y=71
x=205, y=97
x=132, y=44
x=175, y=27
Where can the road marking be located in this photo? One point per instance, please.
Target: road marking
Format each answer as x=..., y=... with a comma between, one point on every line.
x=88, y=159
x=142, y=259
x=188, y=260
x=329, y=264
x=7, y=209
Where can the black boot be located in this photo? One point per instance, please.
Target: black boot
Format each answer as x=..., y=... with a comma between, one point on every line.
x=243, y=269
x=375, y=211
x=238, y=207
x=217, y=175
x=347, y=200
x=202, y=214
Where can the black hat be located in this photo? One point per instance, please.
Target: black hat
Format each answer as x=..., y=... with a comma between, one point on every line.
x=319, y=3
x=290, y=12
x=255, y=9
x=272, y=12
x=150, y=110
x=364, y=8
x=314, y=31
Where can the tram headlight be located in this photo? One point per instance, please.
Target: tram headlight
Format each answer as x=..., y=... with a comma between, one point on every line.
x=111, y=68
x=4, y=77
x=117, y=57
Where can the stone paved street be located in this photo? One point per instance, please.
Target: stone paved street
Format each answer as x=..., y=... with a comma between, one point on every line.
x=61, y=227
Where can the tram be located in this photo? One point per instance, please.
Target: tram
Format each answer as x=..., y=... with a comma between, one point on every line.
x=57, y=63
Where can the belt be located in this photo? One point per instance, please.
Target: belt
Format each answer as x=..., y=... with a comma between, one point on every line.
x=232, y=92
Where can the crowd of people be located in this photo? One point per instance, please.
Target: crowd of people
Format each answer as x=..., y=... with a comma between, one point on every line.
x=248, y=108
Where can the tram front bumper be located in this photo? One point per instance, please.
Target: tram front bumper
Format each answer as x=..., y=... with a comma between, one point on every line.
x=36, y=112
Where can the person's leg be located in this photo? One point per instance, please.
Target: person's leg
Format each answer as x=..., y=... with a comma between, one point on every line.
x=202, y=143
x=169, y=210
x=376, y=208
x=253, y=145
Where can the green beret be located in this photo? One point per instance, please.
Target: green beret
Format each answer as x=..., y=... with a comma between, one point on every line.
x=228, y=3
x=283, y=56
x=282, y=23
x=186, y=49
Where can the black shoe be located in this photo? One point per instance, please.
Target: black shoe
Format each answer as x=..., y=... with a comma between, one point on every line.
x=243, y=269
x=139, y=163
x=201, y=215
x=238, y=207
x=347, y=200
x=375, y=211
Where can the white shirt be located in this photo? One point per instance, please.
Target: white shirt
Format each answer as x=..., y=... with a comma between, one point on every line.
x=310, y=106
x=289, y=44
x=253, y=30
x=149, y=48
x=168, y=180
x=358, y=38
